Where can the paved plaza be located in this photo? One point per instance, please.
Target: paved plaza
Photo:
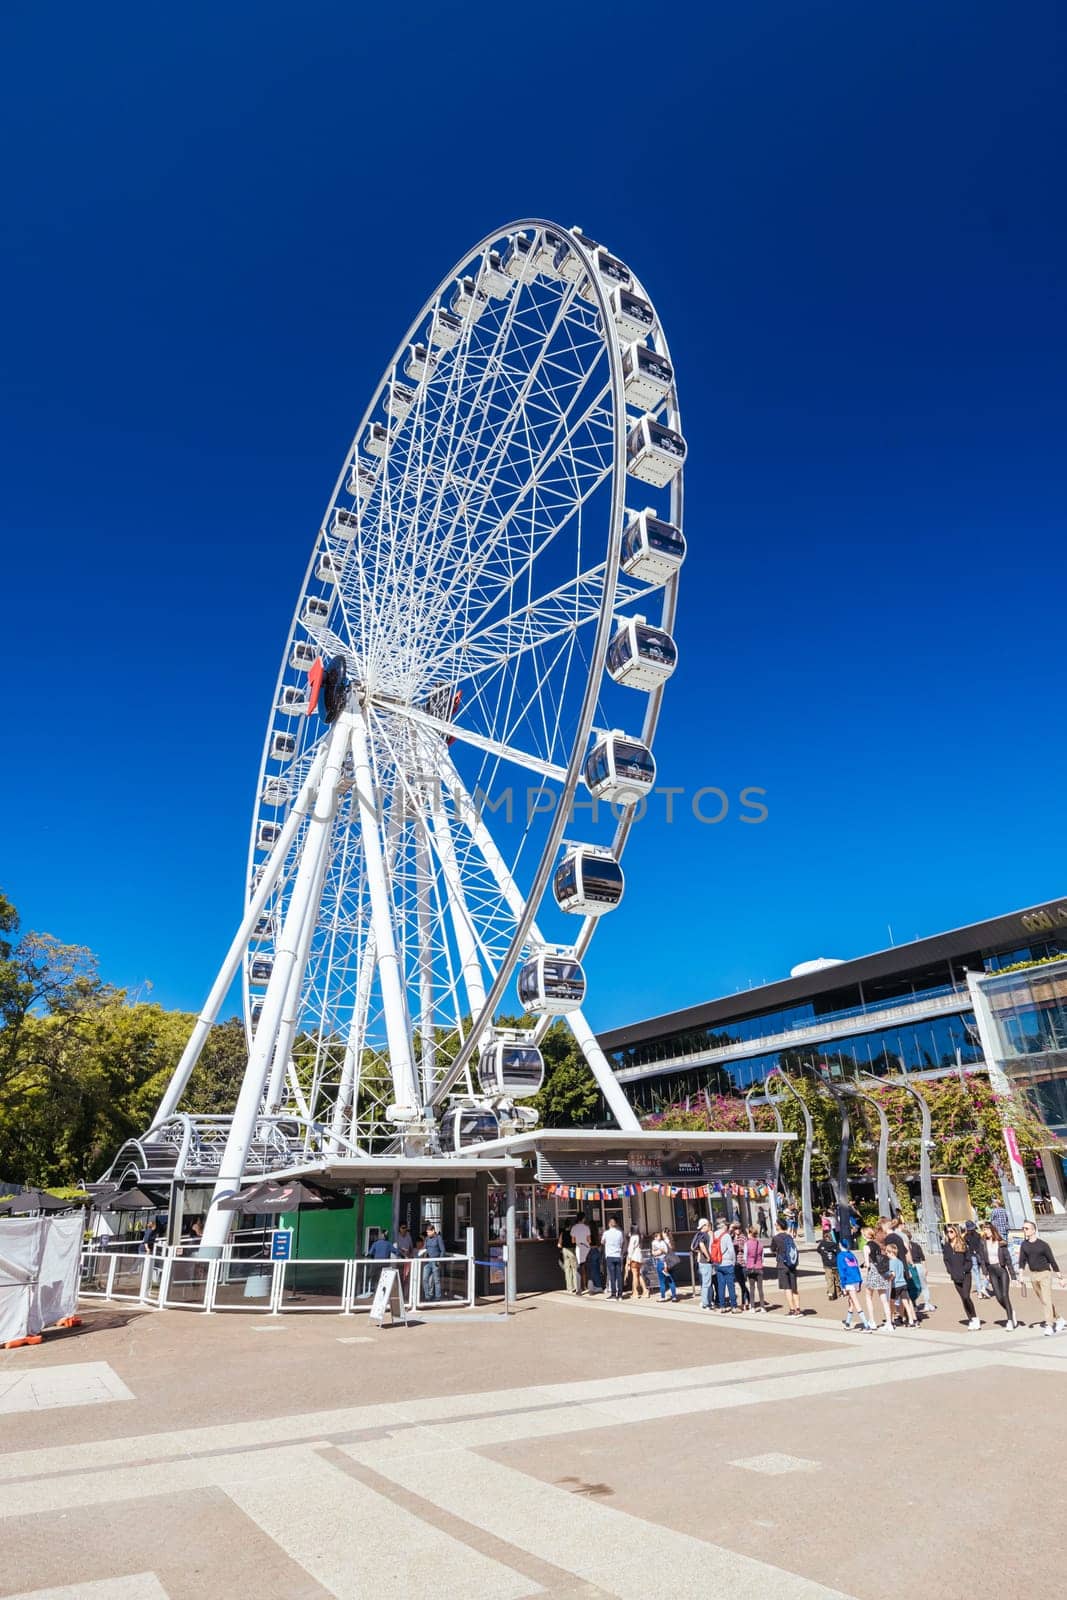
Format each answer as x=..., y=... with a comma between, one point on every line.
x=578, y=1449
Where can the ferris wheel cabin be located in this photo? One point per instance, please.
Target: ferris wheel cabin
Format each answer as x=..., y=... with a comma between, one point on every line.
x=376, y=439
x=492, y=279
x=291, y=699
x=551, y=985
x=654, y=454
x=276, y=791
x=345, y=525
x=327, y=570
x=518, y=258
x=399, y=400
x=588, y=882
x=445, y=329
x=568, y=264
x=420, y=362
x=516, y=1070
x=260, y=969
x=646, y=377
x=267, y=835
x=282, y=747
x=641, y=657
x=462, y=1126
x=619, y=769
x=651, y=550
x=315, y=611
x=469, y=299
x=632, y=314
x=361, y=481
x=264, y=928
x=613, y=274
x=303, y=655
x=545, y=250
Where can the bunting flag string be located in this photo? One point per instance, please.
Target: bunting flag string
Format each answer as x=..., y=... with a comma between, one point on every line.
x=674, y=1191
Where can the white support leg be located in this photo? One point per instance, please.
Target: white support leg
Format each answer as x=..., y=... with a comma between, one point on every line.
x=228, y=971
x=587, y=1040
x=242, y=1127
x=427, y=1019
x=401, y=1062
x=466, y=939
x=346, y=1092
x=291, y=1008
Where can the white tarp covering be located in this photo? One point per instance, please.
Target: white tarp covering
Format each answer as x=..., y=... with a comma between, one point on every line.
x=39, y=1270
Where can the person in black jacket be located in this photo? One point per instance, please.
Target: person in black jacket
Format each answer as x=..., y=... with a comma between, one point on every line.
x=1036, y=1258
x=996, y=1261
x=826, y=1249
x=957, y=1255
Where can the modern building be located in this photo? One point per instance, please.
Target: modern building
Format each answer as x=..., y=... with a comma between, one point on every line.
x=909, y=1009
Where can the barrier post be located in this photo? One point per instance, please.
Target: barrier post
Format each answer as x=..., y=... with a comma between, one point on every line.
x=346, y=1289
x=276, y=1287
x=471, y=1269
x=211, y=1285
x=111, y=1265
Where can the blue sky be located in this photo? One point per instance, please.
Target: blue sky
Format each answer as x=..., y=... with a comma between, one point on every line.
x=217, y=223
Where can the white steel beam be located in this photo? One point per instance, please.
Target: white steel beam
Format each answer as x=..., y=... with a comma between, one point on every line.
x=246, y=1112
x=228, y=971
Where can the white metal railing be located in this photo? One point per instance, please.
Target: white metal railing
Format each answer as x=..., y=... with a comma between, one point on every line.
x=176, y=1277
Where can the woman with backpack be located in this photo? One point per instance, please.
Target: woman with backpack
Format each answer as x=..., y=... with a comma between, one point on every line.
x=876, y=1280
x=787, y=1256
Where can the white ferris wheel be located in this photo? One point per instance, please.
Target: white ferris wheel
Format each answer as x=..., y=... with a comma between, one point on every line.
x=463, y=721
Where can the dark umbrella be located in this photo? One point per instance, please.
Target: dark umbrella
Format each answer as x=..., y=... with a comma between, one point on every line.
x=271, y=1196
x=35, y=1200
x=127, y=1200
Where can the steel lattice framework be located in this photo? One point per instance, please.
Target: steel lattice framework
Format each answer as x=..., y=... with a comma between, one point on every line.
x=467, y=573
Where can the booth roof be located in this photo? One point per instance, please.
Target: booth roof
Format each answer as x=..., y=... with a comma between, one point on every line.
x=384, y=1169
x=524, y=1145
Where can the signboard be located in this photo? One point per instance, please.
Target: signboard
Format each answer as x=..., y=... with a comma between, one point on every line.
x=388, y=1285
x=683, y=1164
x=281, y=1244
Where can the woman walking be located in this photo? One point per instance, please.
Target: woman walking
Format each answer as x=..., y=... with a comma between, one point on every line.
x=662, y=1249
x=876, y=1280
x=752, y=1251
x=634, y=1257
x=737, y=1234
x=956, y=1254
x=998, y=1267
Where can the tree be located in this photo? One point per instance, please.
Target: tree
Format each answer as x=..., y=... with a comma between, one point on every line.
x=569, y=1097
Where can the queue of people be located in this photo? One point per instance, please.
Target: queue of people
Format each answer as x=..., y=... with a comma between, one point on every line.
x=880, y=1271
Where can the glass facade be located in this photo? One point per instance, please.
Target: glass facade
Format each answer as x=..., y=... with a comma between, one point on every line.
x=1029, y=1014
x=1032, y=1013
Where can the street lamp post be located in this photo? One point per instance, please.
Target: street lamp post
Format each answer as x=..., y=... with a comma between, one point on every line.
x=809, y=1140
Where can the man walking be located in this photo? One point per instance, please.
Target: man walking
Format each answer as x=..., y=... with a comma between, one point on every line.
x=827, y=1253
x=724, y=1259
x=1037, y=1259
x=612, y=1245
x=1000, y=1219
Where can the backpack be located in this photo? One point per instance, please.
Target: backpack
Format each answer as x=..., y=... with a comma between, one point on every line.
x=790, y=1254
x=715, y=1252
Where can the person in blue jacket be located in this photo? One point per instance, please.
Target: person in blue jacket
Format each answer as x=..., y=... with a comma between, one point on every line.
x=850, y=1277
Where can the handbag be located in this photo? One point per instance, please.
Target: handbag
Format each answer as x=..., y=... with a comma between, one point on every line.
x=672, y=1260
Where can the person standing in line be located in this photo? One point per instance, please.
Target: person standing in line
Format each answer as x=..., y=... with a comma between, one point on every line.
x=876, y=1279
x=149, y=1237
x=761, y=1222
x=899, y=1298
x=724, y=1258
x=956, y=1252
x=737, y=1234
x=996, y=1260
x=826, y=1249
x=661, y=1252
x=405, y=1246
x=613, y=1246
x=851, y=1280
x=435, y=1249
x=1037, y=1259
x=701, y=1247
x=634, y=1257
x=788, y=1257
x=917, y=1257
x=382, y=1250
x=583, y=1238
x=753, y=1256
x=1000, y=1219
x=568, y=1261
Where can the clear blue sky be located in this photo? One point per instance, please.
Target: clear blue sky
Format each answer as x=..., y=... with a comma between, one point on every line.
x=217, y=221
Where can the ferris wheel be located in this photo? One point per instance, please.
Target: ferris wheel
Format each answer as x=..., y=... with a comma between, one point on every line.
x=461, y=730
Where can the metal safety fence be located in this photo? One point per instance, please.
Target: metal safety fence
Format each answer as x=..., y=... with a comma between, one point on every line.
x=178, y=1278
